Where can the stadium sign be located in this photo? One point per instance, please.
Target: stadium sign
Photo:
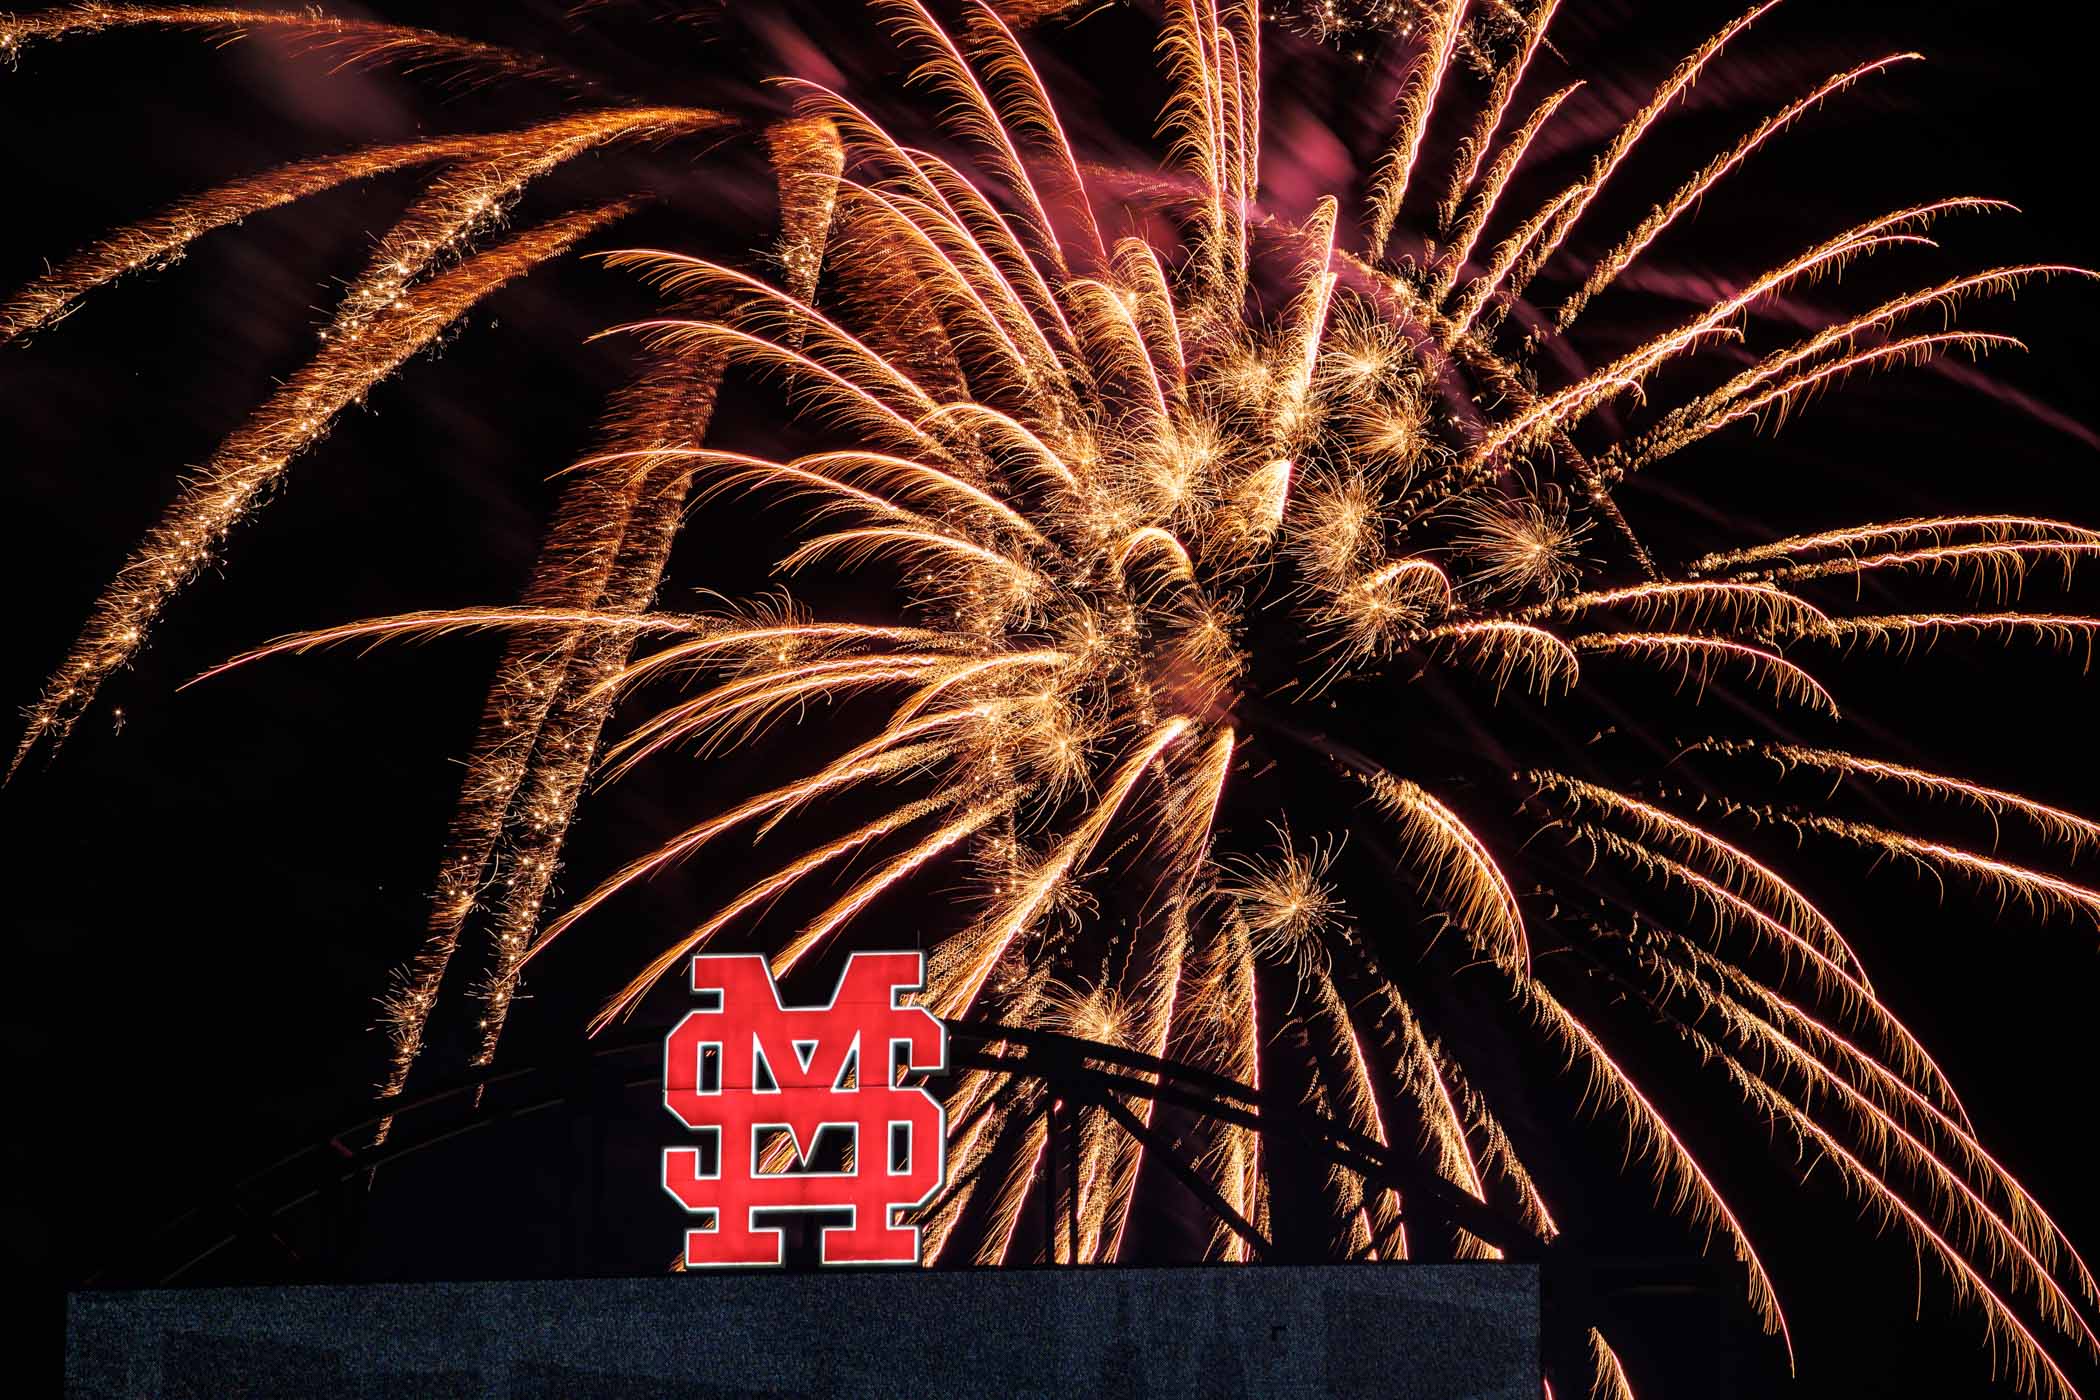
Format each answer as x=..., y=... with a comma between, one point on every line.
x=759, y=1082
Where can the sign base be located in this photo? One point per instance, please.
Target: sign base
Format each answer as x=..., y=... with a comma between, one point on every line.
x=1415, y=1331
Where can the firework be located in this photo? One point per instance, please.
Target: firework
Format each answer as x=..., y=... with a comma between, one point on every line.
x=1139, y=526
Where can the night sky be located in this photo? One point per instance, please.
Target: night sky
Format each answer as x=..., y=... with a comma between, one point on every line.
x=206, y=888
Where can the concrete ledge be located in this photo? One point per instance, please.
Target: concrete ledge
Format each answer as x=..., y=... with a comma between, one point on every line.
x=1415, y=1331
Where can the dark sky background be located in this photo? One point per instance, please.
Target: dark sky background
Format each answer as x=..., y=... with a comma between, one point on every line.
x=202, y=901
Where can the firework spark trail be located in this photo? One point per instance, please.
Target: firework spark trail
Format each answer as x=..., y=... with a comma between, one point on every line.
x=1238, y=59
x=669, y=405
x=1097, y=1158
x=161, y=240
x=1610, y=1382
x=676, y=273
x=609, y=540
x=1738, y=868
x=1730, y=911
x=1418, y=94
x=1999, y=565
x=1651, y=228
x=1912, y=350
x=1139, y=265
x=1285, y=903
x=2039, y=892
x=949, y=73
x=1508, y=646
x=900, y=476
x=839, y=774
x=424, y=625
x=2030, y=1360
x=1676, y=1171
x=974, y=223
x=1443, y=1131
x=1026, y=1166
x=1980, y=1226
x=358, y=41
x=1692, y=653
x=970, y=244
x=1219, y=1028
x=250, y=462
x=987, y=1106
x=823, y=384
x=1930, y=529
x=1027, y=107
x=933, y=185
x=1565, y=408
x=587, y=548
x=1629, y=136
x=1454, y=1154
x=1379, y=611
x=888, y=874
x=1904, y=631
x=1206, y=114
x=379, y=323
x=1687, y=424
x=580, y=556
x=1742, y=873
x=1474, y=148
x=970, y=1103
x=1453, y=860
x=1755, y=605
x=1160, y=996
x=910, y=335
x=985, y=293
x=808, y=157
x=624, y=1003
x=1244, y=31
x=1246, y=1173
x=2079, y=834
x=1521, y=547
x=1358, y=1098
x=961, y=969
x=1161, y=991
x=1504, y=262
x=1359, y=1239
x=1499, y=174
x=1498, y=1153
x=561, y=758
x=1890, y=1094
x=786, y=639
x=473, y=195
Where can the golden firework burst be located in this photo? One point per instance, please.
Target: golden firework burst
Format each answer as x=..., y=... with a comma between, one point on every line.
x=1136, y=519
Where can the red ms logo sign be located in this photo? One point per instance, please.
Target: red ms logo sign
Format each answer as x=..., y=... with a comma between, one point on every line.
x=745, y=1069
